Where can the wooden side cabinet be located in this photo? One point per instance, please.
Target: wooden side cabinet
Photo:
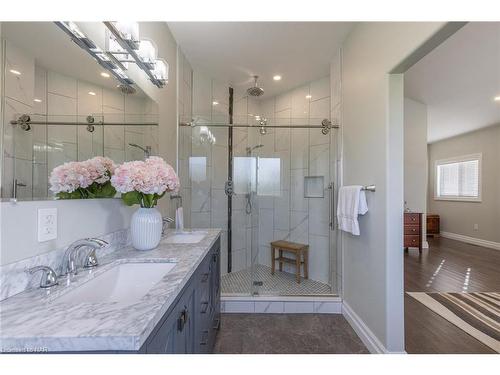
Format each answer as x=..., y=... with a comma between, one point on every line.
x=413, y=230
x=433, y=225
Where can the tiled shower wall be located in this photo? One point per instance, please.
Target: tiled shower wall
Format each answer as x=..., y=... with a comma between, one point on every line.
x=30, y=156
x=286, y=214
x=289, y=215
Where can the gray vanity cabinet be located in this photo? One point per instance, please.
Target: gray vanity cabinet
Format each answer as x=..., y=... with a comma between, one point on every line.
x=192, y=324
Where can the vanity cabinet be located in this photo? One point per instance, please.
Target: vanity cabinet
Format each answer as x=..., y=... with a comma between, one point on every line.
x=191, y=324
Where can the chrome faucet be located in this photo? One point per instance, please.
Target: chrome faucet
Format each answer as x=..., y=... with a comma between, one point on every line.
x=69, y=265
x=165, y=221
x=49, y=277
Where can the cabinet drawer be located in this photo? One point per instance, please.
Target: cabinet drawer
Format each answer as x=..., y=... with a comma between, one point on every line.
x=411, y=241
x=412, y=218
x=412, y=229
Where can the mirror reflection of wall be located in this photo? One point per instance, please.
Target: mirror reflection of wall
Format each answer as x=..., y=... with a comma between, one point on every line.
x=51, y=79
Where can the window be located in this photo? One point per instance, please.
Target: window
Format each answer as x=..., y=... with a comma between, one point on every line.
x=459, y=178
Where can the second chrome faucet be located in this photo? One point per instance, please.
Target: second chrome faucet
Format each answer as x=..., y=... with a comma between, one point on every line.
x=70, y=258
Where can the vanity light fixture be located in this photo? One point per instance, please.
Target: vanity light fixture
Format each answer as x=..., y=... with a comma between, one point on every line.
x=105, y=75
x=78, y=37
x=16, y=72
x=277, y=78
x=37, y=100
x=142, y=53
x=92, y=93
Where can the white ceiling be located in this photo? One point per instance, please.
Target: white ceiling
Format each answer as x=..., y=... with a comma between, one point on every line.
x=458, y=81
x=53, y=50
x=235, y=51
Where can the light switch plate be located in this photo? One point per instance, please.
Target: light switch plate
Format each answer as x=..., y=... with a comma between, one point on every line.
x=47, y=224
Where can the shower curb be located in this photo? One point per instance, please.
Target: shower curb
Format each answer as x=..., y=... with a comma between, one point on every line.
x=282, y=304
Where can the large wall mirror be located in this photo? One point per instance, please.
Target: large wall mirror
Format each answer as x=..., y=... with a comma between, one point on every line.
x=77, y=110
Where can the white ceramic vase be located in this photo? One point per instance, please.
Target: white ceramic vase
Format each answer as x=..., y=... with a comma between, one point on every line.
x=145, y=228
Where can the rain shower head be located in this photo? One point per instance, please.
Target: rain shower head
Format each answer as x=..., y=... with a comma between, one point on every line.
x=256, y=90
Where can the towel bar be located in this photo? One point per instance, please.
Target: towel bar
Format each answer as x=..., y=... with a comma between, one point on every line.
x=369, y=188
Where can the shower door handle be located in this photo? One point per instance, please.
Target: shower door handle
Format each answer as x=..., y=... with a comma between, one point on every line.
x=228, y=188
x=331, y=187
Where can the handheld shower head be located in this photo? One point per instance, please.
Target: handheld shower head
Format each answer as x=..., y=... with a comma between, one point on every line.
x=256, y=90
x=146, y=150
x=250, y=149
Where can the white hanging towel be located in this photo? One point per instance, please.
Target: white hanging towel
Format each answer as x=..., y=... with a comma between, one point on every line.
x=351, y=203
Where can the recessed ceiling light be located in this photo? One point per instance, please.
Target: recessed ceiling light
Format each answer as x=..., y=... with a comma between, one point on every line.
x=497, y=98
x=277, y=78
x=92, y=93
x=308, y=96
x=105, y=75
x=215, y=102
x=37, y=100
x=16, y=72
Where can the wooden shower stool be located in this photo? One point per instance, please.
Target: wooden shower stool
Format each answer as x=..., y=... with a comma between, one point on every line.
x=299, y=250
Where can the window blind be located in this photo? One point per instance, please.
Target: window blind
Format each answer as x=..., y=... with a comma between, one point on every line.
x=458, y=179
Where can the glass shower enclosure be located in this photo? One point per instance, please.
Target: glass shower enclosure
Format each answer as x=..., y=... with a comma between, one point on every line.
x=262, y=178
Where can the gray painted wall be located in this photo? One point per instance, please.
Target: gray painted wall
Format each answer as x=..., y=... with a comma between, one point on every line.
x=415, y=172
x=460, y=217
x=373, y=153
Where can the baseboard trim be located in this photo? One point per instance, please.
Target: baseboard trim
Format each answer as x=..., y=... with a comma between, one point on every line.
x=371, y=341
x=425, y=245
x=471, y=240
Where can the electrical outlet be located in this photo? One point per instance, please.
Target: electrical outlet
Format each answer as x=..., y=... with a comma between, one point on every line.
x=476, y=226
x=47, y=224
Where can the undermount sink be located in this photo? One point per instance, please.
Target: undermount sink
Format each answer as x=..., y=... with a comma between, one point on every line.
x=186, y=237
x=124, y=283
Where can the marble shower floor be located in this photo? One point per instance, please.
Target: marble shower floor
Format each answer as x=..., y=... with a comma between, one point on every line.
x=279, y=284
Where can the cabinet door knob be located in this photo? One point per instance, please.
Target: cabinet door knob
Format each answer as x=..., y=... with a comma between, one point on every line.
x=204, y=336
x=205, y=305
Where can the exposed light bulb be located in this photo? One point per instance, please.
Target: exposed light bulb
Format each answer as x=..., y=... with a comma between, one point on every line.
x=160, y=71
x=308, y=96
x=16, y=72
x=37, y=100
x=215, y=102
x=128, y=30
x=92, y=93
x=147, y=51
x=75, y=30
x=277, y=78
x=497, y=98
x=105, y=75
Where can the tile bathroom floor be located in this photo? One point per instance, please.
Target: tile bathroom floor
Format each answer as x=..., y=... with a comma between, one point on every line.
x=281, y=283
x=286, y=334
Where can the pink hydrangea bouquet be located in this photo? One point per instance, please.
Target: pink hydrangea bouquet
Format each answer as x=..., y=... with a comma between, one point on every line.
x=83, y=179
x=144, y=182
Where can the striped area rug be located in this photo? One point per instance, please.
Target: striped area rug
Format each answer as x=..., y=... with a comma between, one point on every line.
x=478, y=314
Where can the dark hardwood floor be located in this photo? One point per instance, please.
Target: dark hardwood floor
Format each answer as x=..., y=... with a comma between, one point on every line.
x=443, y=268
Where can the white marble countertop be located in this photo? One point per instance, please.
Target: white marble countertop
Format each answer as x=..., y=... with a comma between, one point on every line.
x=34, y=321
